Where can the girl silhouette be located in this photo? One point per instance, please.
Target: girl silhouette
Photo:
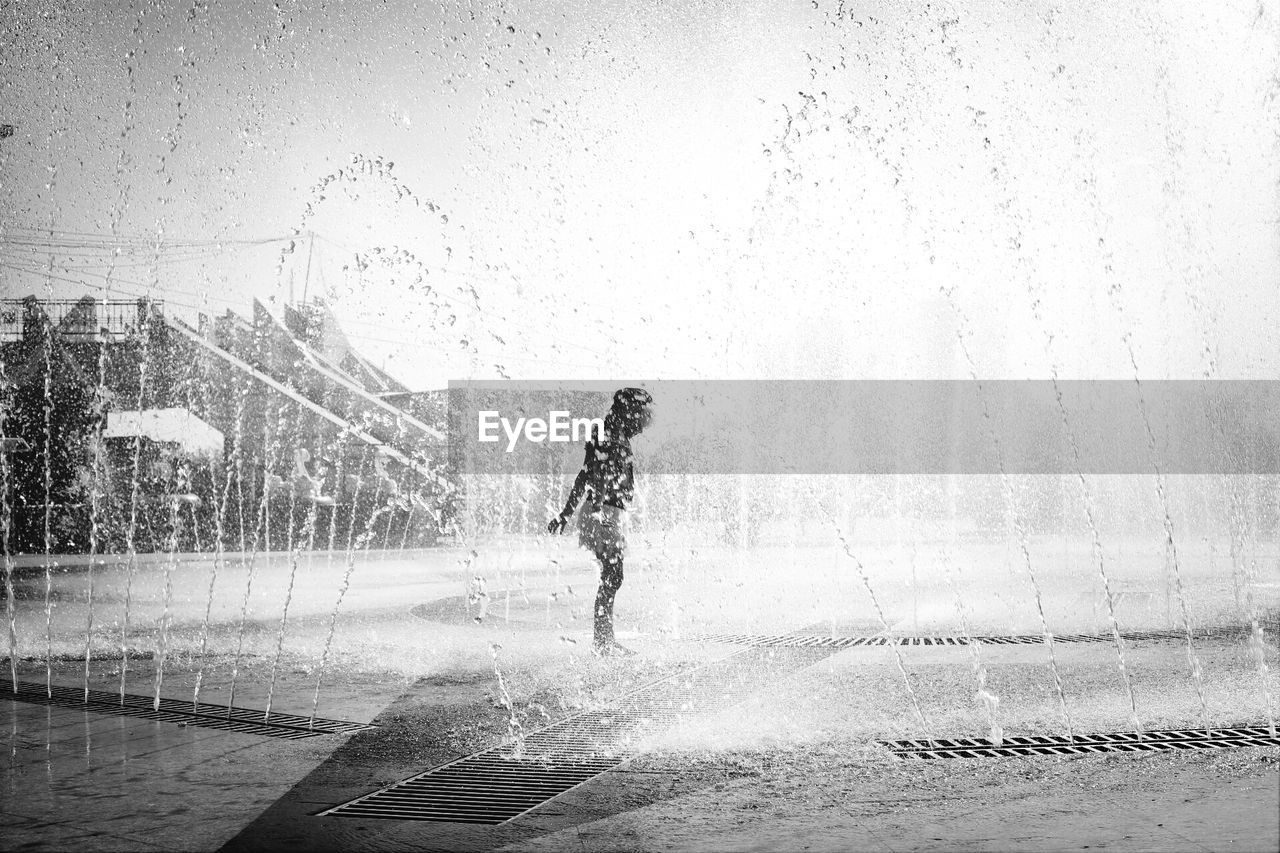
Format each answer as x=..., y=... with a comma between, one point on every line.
x=607, y=482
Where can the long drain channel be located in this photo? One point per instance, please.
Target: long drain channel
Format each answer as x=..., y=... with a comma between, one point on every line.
x=243, y=720
x=505, y=782
x=808, y=641
x=1083, y=744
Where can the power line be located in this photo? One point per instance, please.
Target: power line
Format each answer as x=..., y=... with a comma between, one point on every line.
x=83, y=262
x=162, y=296
x=83, y=250
x=47, y=236
x=106, y=286
x=207, y=250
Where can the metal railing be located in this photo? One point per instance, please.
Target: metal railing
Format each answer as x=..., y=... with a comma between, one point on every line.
x=78, y=320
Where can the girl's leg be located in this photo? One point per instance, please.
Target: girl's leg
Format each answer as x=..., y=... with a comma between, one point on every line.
x=610, y=581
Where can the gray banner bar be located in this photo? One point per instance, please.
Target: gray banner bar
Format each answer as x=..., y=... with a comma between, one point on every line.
x=883, y=427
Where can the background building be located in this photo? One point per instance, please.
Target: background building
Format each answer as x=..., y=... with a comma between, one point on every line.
x=127, y=428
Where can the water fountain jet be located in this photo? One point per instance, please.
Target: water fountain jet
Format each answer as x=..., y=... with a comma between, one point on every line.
x=131, y=548
x=884, y=623
x=6, y=521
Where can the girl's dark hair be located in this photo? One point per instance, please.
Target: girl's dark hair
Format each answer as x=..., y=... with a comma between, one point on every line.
x=630, y=400
x=626, y=402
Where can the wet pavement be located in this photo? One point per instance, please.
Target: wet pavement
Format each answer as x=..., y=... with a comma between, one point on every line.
x=790, y=766
x=77, y=780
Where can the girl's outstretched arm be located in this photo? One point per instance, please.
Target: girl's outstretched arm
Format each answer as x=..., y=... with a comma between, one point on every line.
x=557, y=524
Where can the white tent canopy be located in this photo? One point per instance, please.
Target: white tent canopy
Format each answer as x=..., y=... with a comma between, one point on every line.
x=173, y=426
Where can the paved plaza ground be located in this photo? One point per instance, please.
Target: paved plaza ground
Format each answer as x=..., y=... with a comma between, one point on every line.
x=420, y=643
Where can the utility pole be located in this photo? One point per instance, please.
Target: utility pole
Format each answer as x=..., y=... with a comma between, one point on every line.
x=306, y=276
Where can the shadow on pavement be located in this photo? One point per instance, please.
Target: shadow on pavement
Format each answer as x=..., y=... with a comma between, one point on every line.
x=413, y=736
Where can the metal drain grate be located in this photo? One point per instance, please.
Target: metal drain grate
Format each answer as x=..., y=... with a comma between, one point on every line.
x=1083, y=744
x=243, y=720
x=503, y=783
x=803, y=641
x=489, y=788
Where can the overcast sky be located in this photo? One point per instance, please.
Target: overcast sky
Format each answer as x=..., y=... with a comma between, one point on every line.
x=639, y=190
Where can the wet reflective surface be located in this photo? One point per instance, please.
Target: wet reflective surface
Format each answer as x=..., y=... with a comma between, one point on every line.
x=244, y=248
